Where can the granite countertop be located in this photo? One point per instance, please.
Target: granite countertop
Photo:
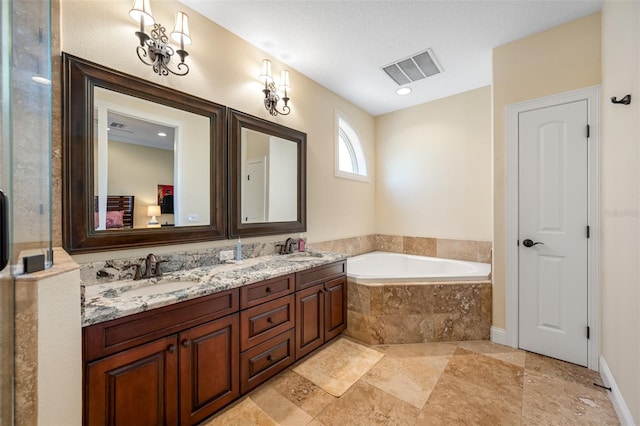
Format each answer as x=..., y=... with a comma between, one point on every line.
x=104, y=302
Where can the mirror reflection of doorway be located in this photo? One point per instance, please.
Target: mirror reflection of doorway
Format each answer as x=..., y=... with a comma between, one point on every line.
x=254, y=205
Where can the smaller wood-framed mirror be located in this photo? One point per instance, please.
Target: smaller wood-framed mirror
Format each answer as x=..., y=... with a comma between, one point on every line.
x=267, y=177
x=143, y=164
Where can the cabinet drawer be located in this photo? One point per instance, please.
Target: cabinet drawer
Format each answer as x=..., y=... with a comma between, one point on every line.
x=264, y=291
x=320, y=274
x=116, y=335
x=260, y=323
x=266, y=360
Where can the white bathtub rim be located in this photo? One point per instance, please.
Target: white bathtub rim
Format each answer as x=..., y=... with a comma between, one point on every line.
x=391, y=279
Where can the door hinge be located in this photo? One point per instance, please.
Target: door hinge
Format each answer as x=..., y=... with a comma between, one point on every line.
x=588, y=130
x=588, y=231
x=518, y=243
x=588, y=332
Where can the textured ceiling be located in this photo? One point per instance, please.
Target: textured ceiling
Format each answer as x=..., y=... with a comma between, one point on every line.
x=343, y=44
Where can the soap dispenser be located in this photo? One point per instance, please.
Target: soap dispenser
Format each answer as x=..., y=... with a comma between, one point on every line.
x=301, y=243
x=239, y=251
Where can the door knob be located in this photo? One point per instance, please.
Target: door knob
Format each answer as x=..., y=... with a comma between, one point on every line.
x=529, y=243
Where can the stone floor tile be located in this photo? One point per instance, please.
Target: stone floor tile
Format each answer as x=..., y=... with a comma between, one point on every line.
x=301, y=392
x=552, y=400
x=411, y=350
x=365, y=404
x=279, y=408
x=243, y=413
x=408, y=379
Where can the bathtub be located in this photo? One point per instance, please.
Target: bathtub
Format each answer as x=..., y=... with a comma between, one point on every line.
x=397, y=299
x=378, y=268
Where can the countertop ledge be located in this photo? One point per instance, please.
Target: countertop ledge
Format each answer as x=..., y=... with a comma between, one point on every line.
x=104, y=302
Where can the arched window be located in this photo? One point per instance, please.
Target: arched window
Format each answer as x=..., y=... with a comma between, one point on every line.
x=350, y=161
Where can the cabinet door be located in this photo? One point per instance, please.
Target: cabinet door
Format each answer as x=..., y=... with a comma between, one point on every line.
x=335, y=307
x=309, y=320
x=209, y=368
x=135, y=387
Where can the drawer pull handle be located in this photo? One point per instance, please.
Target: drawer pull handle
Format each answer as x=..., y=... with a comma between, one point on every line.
x=171, y=348
x=186, y=343
x=269, y=320
x=269, y=358
x=268, y=290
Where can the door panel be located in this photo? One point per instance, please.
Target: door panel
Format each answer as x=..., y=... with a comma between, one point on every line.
x=209, y=368
x=335, y=319
x=134, y=387
x=309, y=320
x=553, y=207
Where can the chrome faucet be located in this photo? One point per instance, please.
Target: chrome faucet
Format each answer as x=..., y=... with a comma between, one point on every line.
x=151, y=268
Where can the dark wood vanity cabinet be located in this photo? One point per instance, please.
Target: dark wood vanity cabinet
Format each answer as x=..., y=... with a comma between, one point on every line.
x=321, y=306
x=182, y=377
x=137, y=386
x=181, y=363
x=266, y=330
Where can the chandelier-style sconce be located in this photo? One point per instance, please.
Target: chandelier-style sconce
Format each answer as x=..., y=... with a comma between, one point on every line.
x=154, y=49
x=271, y=96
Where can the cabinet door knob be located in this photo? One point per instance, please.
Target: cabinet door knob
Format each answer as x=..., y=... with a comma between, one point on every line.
x=171, y=348
x=268, y=290
x=269, y=358
x=186, y=343
x=269, y=320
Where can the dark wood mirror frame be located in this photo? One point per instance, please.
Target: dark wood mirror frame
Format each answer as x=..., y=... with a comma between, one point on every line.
x=79, y=79
x=238, y=120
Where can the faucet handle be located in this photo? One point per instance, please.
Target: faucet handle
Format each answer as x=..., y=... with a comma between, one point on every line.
x=138, y=274
x=158, y=270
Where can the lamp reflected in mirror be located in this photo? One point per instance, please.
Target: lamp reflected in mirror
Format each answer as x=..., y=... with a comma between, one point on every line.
x=153, y=212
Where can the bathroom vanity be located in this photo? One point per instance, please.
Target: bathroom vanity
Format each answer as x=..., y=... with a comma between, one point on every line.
x=189, y=352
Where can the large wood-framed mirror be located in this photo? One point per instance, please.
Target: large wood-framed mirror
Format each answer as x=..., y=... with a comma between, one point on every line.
x=267, y=177
x=142, y=164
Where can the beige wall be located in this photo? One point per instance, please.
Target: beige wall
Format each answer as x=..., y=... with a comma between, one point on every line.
x=224, y=69
x=434, y=169
x=558, y=60
x=620, y=186
x=138, y=170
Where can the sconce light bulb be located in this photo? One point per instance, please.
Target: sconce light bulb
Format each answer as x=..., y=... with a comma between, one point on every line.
x=180, y=32
x=285, y=86
x=141, y=12
x=265, y=75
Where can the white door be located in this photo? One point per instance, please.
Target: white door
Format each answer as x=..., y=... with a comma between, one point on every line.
x=255, y=197
x=553, y=208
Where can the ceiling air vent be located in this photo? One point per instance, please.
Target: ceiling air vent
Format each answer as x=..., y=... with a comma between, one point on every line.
x=414, y=68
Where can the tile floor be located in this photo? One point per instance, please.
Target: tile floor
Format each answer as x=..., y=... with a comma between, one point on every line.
x=453, y=383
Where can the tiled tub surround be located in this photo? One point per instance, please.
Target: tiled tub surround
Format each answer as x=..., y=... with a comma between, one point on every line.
x=472, y=251
x=397, y=298
x=394, y=313
x=110, y=300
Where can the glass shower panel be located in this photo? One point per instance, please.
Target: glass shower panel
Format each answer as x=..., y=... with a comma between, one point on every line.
x=31, y=122
x=25, y=162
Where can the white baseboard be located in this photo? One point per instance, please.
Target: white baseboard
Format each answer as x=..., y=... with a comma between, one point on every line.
x=498, y=335
x=624, y=415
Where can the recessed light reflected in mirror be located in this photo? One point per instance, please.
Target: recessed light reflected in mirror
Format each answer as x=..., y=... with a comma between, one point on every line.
x=41, y=80
x=162, y=134
x=403, y=91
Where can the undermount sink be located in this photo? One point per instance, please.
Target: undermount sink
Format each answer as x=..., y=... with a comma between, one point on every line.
x=304, y=257
x=159, y=288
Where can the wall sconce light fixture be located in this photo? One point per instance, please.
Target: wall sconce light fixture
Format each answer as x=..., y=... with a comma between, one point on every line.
x=153, y=211
x=155, y=46
x=271, y=96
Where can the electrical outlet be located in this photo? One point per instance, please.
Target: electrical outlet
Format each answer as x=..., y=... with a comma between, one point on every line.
x=226, y=255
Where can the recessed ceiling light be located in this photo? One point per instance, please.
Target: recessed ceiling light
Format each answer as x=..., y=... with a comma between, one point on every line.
x=162, y=134
x=403, y=91
x=41, y=80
